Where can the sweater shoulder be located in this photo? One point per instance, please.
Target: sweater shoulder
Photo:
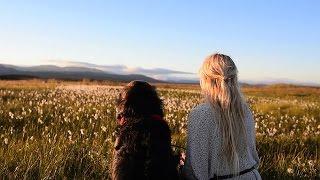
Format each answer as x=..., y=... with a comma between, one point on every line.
x=203, y=110
x=202, y=115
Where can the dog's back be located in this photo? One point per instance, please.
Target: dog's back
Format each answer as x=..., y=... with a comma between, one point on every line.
x=143, y=151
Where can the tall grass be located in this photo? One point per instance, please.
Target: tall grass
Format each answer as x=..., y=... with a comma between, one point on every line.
x=60, y=130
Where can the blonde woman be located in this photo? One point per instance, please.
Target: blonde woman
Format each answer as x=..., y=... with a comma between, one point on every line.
x=221, y=132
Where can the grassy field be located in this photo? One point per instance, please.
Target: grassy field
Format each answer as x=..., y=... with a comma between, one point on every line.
x=65, y=130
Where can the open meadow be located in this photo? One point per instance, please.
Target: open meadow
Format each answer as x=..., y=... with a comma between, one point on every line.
x=65, y=130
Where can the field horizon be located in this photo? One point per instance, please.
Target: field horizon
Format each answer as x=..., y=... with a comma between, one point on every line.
x=78, y=71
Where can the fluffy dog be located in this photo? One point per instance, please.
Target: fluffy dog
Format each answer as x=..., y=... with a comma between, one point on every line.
x=143, y=143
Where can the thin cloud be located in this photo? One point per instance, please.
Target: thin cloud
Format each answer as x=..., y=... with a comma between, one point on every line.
x=120, y=69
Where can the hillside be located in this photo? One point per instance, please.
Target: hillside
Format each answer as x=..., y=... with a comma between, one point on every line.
x=66, y=73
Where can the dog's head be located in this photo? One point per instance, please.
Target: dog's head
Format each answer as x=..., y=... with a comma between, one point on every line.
x=138, y=99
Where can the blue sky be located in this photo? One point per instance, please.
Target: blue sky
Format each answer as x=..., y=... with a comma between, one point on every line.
x=274, y=39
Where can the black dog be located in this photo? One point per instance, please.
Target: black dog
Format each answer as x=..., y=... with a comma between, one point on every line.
x=143, y=145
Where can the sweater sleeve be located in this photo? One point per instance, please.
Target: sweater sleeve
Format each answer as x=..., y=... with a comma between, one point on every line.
x=196, y=165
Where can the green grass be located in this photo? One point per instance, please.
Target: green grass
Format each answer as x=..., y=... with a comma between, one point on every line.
x=63, y=130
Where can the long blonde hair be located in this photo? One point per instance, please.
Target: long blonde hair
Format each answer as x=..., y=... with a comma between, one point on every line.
x=219, y=83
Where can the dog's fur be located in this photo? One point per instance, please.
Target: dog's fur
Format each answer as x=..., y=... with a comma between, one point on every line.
x=143, y=145
x=143, y=151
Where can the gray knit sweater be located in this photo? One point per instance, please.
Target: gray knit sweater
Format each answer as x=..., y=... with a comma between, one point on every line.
x=204, y=156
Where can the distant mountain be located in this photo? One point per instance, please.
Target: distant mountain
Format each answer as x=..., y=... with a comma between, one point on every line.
x=66, y=73
x=7, y=70
x=69, y=70
x=52, y=68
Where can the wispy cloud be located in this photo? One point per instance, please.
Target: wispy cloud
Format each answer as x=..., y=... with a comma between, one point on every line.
x=121, y=69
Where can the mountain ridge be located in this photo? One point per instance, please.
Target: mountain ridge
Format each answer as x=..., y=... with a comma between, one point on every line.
x=126, y=74
x=68, y=73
